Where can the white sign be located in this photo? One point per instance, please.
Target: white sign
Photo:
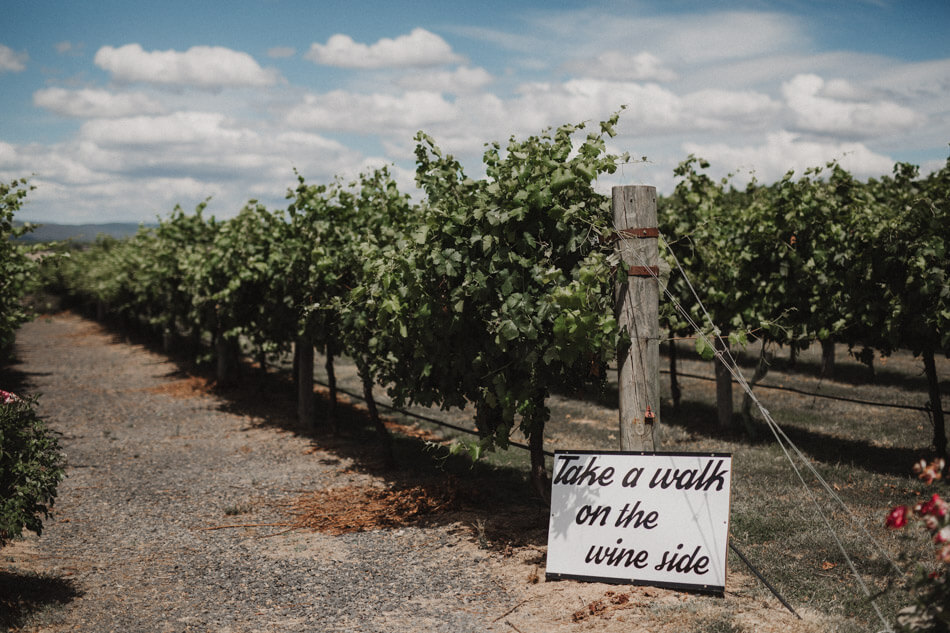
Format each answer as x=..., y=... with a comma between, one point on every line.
x=644, y=518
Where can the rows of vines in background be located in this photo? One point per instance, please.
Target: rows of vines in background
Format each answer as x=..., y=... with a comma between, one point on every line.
x=911, y=270
x=146, y=280
x=492, y=292
x=821, y=257
x=488, y=294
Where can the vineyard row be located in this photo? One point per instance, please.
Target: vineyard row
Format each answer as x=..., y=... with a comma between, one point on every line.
x=493, y=292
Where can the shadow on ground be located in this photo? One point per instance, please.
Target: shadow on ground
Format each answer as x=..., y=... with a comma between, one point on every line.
x=495, y=502
x=15, y=380
x=25, y=597
x=517, y=517
x=701, y=419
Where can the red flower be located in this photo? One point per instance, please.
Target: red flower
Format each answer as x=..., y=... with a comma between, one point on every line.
x=6, y=397
x=897, y=517
x=936, y=507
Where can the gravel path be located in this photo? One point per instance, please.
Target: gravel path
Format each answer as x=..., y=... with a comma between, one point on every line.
x=148, y=471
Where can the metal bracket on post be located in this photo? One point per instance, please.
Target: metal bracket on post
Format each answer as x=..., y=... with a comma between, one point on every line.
x=637, y=233
x=643, y=271
x=640, y=424
x=641, y=233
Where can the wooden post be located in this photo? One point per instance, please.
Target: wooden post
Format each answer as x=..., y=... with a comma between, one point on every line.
x=168, y=340
x=332, y=419
x=303, y=355
x=936, y=406
x=227, y=353
x=637, y=306
x=723, y=386
x=828, y=358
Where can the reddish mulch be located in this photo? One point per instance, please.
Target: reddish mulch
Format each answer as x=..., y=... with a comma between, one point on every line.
x=413, y=431
x=362, y=508
x=610, y=602
x=190, y=387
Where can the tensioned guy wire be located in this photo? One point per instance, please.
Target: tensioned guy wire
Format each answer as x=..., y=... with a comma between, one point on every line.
x=725, y=357
x=732, y=366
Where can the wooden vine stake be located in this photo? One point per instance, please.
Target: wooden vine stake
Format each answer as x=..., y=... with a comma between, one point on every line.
x=637, y=309
x=303, y=365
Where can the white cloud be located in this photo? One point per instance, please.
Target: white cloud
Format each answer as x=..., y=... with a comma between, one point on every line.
x=140, y=199
x=307, y=141
x=729, y=35
x=12, y=61
x=783, y=151
x=89, y=103
x=816, y=111
x=910, y=79
x=844, y=90
x=479, y=118
x=420, y=48
x=371, y=113
x=649, y=106
x=39, y=161
x=768, y=71
x=135, y=168
x=462, y=80
x=202, y=66
x=722, y=109
x=654, y=114
x=651, y=109
x=8, y=155
x=173, y=129
x=620, y=66
x=699, y=38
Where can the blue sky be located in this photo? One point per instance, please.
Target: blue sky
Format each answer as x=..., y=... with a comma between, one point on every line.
x=121, y=110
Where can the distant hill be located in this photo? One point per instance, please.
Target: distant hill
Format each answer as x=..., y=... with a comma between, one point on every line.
x=50, y=232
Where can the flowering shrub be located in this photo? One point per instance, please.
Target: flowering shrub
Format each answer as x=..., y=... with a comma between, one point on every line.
x=31, y=467
x=931, y=611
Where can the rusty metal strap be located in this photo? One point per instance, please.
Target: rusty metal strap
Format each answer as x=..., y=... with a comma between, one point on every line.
x=644, y=271
x=638, y=233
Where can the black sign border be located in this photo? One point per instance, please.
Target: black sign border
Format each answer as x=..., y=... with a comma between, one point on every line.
x=718, y=590
x=710, y=589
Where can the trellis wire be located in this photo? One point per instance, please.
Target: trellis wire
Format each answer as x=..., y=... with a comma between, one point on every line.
x=811, y=394
x=725, y=357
